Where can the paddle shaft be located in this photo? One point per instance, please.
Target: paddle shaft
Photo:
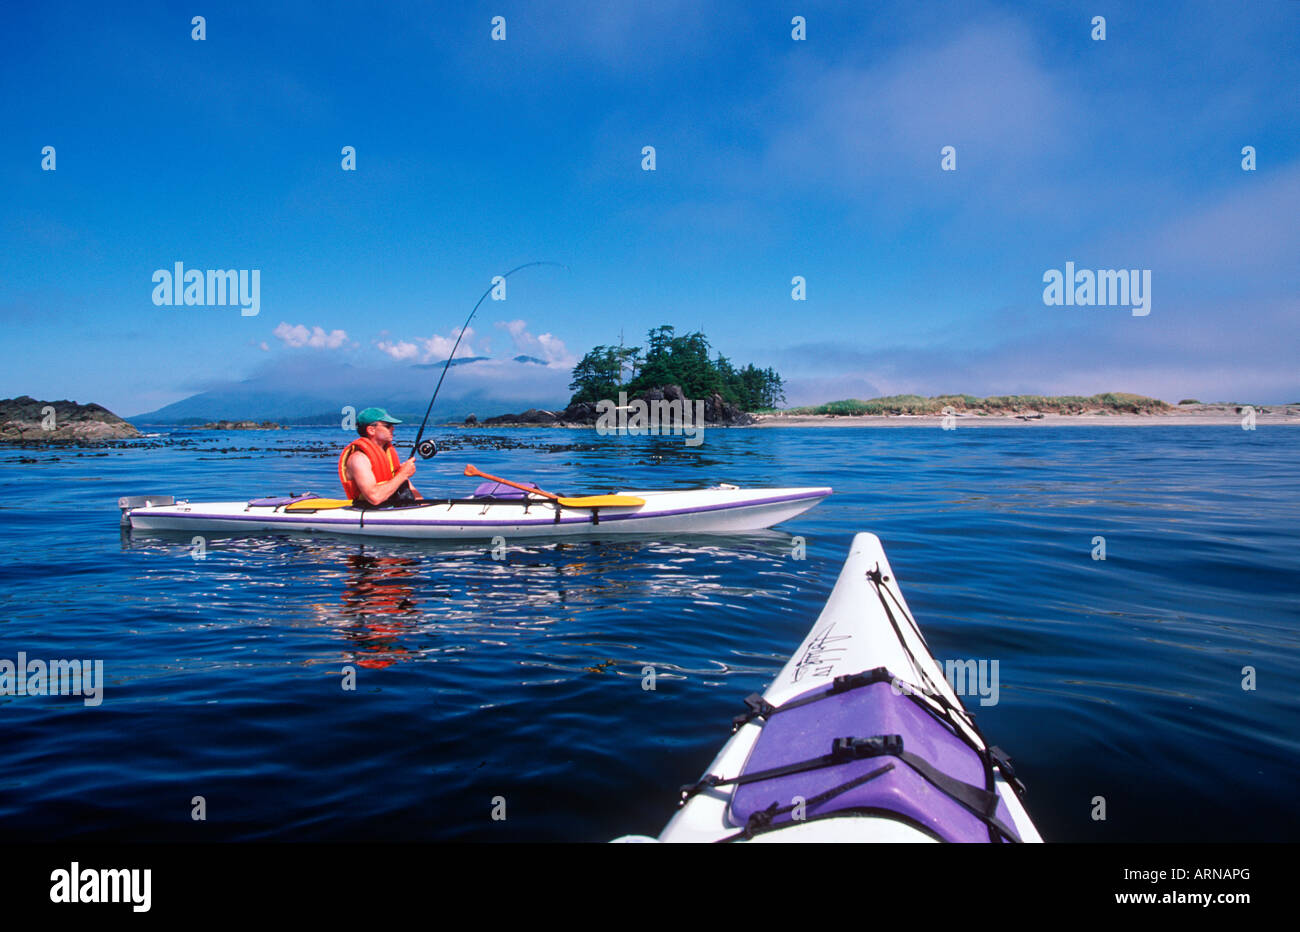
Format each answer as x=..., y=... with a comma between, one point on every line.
x=470, y=470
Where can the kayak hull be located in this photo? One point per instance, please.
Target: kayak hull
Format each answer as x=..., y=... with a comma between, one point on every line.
x=853, y=634
x=699, y=511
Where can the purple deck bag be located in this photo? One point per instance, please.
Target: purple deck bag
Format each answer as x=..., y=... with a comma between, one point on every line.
x=807, y=732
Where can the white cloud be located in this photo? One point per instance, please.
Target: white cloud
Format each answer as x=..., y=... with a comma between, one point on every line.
x=432, y=349
x=299, y=335
x=489, y=387
x=438, y=347
x=547, y=346
x=399, y=350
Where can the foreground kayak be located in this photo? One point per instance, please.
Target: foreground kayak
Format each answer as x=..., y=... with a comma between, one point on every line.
x=722, y=510
x=859, y=738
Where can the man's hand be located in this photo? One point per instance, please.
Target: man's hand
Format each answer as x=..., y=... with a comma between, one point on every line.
x=407, y=470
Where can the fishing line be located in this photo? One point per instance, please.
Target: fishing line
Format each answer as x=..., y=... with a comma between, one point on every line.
x=428, y=449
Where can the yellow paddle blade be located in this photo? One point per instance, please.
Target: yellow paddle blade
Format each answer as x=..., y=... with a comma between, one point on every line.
x=318, y=504
x=602, y=501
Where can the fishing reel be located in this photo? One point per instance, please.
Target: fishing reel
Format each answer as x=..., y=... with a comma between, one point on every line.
x=427, y=449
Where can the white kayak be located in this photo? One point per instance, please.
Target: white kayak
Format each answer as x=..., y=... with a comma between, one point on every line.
x=722, y=510
x=860, y=738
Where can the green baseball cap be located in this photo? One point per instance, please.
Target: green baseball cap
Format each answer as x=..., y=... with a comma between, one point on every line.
x=374, y=416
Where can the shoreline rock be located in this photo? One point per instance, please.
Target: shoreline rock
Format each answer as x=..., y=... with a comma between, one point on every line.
x=27, y=420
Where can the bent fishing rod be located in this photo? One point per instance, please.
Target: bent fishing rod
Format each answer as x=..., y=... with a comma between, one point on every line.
x=428, y=449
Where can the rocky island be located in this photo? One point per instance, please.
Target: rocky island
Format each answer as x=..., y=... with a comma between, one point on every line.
x=26, y=420
x=718, y=412
x=239, y=425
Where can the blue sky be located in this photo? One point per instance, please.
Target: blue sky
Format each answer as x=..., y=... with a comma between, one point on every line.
x=775, y=158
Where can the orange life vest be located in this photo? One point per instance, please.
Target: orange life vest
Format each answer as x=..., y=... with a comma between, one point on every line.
x=383, y=463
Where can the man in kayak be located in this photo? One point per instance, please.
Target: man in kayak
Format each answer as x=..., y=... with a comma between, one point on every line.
x=369, y=468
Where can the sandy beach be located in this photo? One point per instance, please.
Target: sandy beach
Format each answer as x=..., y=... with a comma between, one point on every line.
x=1188, y=415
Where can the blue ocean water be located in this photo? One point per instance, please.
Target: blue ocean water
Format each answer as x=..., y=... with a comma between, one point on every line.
x=517, y=684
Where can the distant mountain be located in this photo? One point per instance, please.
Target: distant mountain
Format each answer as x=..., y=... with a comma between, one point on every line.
x=455, y=362
x=302, y=390
x=532, y=359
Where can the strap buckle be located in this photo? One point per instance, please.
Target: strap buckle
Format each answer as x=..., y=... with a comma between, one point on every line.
x=1004, y=764
x=848, y=749
x=760, y=820
x=757, y=707
x=690, y=789
x=848, y=681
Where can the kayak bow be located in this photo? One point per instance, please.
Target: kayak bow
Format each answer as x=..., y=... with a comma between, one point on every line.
x=859, y=738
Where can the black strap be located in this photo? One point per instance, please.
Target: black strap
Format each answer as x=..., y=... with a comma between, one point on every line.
x=843, y=750
x=982, y=803
x=762, y=821
x=758, y=707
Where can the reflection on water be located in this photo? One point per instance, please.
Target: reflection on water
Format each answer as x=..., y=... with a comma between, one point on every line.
x=565, y=606
x=379, y=592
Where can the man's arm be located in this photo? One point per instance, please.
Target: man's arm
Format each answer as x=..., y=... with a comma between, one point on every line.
x=376, y=492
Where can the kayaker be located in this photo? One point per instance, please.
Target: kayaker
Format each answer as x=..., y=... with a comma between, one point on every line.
x=369, y=468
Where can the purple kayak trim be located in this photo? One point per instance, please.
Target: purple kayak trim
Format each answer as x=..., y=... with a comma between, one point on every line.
x=807, y=732
x=578, y=519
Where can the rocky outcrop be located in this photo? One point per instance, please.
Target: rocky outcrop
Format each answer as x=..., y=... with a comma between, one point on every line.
x=26, y=420
x=584, y=412
x=717, y=411
x=533, y=417
x=241, y=425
